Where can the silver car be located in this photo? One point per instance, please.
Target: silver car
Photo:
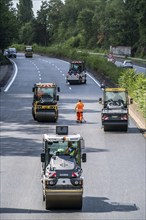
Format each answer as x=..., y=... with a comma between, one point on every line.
x=127, y=64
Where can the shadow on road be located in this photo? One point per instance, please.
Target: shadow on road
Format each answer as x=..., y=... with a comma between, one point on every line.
x=101, y=204
x=95, y=150
x=20, y=211
x=90, y=205
x=133, y=130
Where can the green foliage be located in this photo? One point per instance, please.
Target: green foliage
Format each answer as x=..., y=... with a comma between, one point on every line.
x=82, y=24
x=26, y=33
x=100, y=23
x=136, y=86
x=19, y=47
x=4, y=60
x=24, y=11
x=8, y=24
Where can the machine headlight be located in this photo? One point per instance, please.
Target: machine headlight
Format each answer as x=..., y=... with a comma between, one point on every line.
x=50, y=182
x=77, y=182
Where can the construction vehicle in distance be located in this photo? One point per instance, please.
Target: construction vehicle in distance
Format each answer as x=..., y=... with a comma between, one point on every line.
x=76, y=73
x=44, y=106
x=115, y=113
x=28, y=51
x=62, y=181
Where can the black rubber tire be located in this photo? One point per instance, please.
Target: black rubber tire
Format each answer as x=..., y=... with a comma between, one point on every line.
x=33, y=115
x=80, y=80
x=106, y=128
x=125, y=128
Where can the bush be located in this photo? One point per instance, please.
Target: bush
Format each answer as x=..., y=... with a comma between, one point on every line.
x=4, y=60
x=136, y=86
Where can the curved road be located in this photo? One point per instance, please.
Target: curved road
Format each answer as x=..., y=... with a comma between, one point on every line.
x=115, y=172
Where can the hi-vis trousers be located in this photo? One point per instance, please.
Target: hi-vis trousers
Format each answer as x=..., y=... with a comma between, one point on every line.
x=79, y=116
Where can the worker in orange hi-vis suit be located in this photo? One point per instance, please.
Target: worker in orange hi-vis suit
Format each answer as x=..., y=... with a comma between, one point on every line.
x=79, y=110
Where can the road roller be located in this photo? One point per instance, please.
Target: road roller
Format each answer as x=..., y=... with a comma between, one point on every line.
x=44, y=105
x=61, y=158
x=115, y=112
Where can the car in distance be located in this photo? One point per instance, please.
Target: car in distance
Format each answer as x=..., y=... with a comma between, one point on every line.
x=127, y=64
x=6, y=52
x=12, y=52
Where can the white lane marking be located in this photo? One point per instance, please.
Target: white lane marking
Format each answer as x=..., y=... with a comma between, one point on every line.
x=12, y=80
x=93, y=79
x=65, y=61
x=70, y=88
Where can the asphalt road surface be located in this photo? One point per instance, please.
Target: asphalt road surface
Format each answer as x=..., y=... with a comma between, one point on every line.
x=115, y=171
